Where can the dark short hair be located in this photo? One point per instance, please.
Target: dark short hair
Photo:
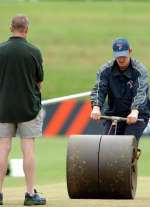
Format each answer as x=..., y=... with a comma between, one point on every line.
x=19, y=22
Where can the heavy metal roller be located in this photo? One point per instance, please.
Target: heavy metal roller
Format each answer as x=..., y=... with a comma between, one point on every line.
x=102, y=166
x=82, y=166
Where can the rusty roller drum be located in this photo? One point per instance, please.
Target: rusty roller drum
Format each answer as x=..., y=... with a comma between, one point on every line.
x=102, y=166
x=82, y=163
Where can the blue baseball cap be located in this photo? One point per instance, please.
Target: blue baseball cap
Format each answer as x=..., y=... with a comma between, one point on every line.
x=120, y=47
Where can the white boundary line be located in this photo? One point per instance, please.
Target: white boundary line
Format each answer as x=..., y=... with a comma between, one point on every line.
x=64, y=98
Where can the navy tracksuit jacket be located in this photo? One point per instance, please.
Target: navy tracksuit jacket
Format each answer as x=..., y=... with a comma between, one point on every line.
x=125, y=90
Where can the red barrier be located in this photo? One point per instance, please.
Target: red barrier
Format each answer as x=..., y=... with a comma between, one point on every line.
x=66, y=118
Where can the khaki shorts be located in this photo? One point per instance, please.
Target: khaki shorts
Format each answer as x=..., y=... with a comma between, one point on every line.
x=29, y=129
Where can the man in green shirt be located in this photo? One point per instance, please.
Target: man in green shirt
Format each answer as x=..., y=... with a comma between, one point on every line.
x=21, y=74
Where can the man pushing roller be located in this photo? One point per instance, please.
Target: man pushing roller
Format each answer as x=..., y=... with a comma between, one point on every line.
x=124, y=81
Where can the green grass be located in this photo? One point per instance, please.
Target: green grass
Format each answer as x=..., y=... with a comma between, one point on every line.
x=57, y=196
x=51, y=160
x=76, y=37
x=144, y=167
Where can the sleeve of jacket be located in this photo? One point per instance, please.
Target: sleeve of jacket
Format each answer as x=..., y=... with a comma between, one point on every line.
x=100, y=90
x=141, y=88
x=39, y=67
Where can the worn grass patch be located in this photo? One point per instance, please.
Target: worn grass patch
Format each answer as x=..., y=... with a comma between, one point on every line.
x=57, y=196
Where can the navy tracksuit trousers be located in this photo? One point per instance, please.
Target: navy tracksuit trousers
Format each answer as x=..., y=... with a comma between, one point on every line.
x=124, y=129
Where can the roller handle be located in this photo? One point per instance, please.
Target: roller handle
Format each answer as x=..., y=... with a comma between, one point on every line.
x=117, y=118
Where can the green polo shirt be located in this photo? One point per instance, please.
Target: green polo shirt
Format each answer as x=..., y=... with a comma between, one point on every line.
x=20, y=72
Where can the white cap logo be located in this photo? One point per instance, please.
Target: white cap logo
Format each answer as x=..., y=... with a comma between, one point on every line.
x=119, y=46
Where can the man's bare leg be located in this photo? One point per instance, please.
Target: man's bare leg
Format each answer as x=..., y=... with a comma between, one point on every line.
x=5, y=147
x=28, y=149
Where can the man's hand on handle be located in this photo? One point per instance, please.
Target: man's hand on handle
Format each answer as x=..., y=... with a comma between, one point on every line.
x=132, y=117
x=96, y=113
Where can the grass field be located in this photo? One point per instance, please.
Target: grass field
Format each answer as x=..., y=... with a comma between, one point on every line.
x=51, y=160
x=76, y=37
x=51, y=177
x=57, y=196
